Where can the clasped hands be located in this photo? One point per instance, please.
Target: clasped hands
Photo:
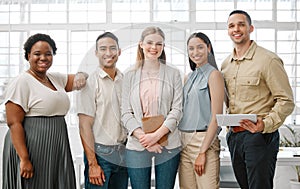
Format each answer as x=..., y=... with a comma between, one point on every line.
x=149, y=141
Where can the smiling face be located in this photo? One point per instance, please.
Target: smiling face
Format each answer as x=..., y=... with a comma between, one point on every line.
x=107, y=52
x=239, y=29
x=152, y=46
x=40, y=57
x=198, y=51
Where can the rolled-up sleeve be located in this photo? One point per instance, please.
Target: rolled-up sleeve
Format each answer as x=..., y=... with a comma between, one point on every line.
x=278, y=83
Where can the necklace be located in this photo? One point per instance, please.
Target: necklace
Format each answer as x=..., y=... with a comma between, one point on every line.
x=44, y=81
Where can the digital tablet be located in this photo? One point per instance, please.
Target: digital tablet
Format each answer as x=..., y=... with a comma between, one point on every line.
x=234, y=119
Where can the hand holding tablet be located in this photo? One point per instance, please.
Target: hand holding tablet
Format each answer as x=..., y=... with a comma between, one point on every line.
x=234, y=119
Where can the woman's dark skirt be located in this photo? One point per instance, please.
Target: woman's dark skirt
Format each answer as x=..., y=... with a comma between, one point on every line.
x=49, y=151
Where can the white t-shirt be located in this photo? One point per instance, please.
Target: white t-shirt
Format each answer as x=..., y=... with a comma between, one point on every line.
x=35, y=98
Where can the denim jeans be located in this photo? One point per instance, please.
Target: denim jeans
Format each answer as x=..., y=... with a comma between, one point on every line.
x=139, y=165
x=111, y=159
x=254, y=157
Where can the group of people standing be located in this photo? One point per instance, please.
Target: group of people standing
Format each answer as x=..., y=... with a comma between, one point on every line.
x=112, y=106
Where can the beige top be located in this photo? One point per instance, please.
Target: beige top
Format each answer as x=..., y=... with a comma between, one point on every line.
x=35, y=98
x=258, y=84
x=149, y=87
x=100, y=99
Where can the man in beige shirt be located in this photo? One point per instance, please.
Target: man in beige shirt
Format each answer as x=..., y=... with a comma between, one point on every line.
x=256, y=83
x=102, y=134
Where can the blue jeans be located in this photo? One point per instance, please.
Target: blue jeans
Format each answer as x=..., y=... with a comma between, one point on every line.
x=111, y=159
x=139, y=164
x=254, y=157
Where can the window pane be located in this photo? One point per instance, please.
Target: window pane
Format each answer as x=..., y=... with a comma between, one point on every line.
x=60, y=60
x=265, y=34
x=60, y=69
x=286, y=4
x=4, y=18
x=173, y=16
x=4, y=6
x=4, y=60
x=17, y=58
x=130, y=11
x=286, y=16
x=289, y=62
x=4, y=39
x=286, y=46
x=221, y=35
x=223, y=47
x=286, y=35
x=261, y=15
x=246, y=5
x=11, y=71
x=211, y=5
x=255, y=5
x=48, y=17
x=204, y=5
x=165, y=11
x=84, y=12
x=222, y=16
x=205, y=16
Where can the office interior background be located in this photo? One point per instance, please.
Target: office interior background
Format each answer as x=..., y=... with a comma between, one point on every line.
x=75, y=25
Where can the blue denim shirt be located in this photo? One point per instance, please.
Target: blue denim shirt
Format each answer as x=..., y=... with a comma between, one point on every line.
x=196, y=102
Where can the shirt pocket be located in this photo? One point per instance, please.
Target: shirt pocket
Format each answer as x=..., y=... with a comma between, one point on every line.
x=248, y=89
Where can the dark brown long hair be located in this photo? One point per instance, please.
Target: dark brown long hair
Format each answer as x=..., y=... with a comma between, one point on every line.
x=211, y=56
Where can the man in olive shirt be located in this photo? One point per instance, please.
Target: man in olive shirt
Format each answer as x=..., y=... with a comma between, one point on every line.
x=256, y=83
x=101, y=131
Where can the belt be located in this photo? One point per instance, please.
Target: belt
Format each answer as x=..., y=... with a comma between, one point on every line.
x=237, y=129
x=192, y=131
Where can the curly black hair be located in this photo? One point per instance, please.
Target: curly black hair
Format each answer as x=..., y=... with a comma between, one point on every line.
x=35, y=38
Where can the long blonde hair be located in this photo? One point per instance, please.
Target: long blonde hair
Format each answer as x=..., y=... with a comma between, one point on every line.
x=140, y=54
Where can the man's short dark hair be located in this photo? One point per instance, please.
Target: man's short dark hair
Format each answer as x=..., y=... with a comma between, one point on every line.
x=244, y=13
x=107, y=34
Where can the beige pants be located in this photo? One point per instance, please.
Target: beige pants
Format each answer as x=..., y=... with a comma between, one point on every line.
x=188, y=178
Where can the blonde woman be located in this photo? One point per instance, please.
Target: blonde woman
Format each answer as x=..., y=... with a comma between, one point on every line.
x=150, y=89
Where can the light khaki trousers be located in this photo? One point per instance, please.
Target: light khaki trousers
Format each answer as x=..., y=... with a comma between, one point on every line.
x=188, y=178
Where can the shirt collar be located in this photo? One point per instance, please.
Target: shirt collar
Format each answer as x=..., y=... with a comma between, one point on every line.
x=103, y=74
x=248, y=55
